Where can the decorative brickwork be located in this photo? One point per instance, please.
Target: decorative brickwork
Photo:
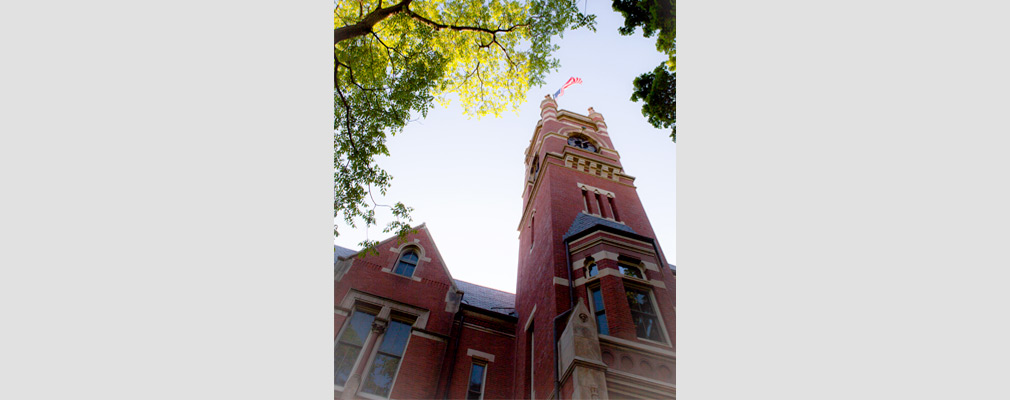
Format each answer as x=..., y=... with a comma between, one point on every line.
x=543, y=340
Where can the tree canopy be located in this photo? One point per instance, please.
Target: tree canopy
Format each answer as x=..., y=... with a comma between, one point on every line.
x=657, y=88
x=394, y=61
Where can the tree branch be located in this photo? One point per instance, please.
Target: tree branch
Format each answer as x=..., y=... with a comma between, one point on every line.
x=365, y=25
x=354, y=81
x=439, y=26
x=347, y=116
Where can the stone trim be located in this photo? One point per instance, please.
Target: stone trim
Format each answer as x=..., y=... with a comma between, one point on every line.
x=426, y=335
x=592, y=167
x=398, y=250
x=606, y=238
x=353, y=296
x=594, y=189
x=637, y=386
x=560, y=281
x=487, y=330
x=637, y=347
x=480, y=354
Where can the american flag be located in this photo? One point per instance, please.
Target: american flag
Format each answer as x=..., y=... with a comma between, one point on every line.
x=571, y=81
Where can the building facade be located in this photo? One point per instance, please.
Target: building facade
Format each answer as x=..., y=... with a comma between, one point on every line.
x=593, y=316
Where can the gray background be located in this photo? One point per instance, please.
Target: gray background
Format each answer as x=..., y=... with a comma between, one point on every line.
x=166, y=219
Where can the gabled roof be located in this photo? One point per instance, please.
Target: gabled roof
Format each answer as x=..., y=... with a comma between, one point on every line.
x=342, y=252
x=584, y=222
x=486, y=298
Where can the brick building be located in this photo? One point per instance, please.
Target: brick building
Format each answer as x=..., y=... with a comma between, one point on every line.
x=593, y=316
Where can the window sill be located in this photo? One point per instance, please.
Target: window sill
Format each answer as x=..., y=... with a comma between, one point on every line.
x=372, y=396
x=654, y=342
x=645, y=344
x=413, y=278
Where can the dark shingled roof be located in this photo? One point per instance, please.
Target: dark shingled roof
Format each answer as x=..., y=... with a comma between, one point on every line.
x=487, y=298
x=585, y=221
x=340, y=252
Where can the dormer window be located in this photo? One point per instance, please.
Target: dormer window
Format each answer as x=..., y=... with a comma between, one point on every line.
x=582, y=143
x=407, y=263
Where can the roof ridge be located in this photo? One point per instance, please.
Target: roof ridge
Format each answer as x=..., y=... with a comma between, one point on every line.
x=485, y=287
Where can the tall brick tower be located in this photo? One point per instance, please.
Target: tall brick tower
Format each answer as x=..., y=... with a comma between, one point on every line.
x=595, y=297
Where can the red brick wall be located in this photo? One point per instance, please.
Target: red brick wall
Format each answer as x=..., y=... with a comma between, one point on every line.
x=365, y=275
x=419, y=369
x=499, y=379
x=557, y=202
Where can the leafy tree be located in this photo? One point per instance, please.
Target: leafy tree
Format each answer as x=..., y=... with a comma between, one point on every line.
x=393, y=61
x=658, y=88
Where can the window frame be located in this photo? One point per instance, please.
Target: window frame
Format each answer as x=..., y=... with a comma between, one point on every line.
x=661, y=326
x=623, y=265
x=400, y=317
x=586, y=269
x=417, y=318
x=483, y=378
x=596, y=313
x=366, y=308
x=399, y=259
x=582, y=142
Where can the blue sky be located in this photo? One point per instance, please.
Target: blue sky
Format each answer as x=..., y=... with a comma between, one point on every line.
x=464, y=177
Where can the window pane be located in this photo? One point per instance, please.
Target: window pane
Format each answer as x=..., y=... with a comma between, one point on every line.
x=646, y=326
x=601, y=324
x=410, y=257
x=380, y=379
x=404, y=269
x=597, y=300
x=343, y=360
x=395, y=339
x=476, y=378
x=630, y=271
x=357, y=331
x=592, y=270
x=639, y=301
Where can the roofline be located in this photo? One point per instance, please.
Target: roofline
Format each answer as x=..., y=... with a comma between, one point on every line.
x=609, y=229
x=489, y=313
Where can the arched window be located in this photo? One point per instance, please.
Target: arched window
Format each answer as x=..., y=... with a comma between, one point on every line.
x=582, y=142
x=407, y=263
x=627, y=269
x=591, y=268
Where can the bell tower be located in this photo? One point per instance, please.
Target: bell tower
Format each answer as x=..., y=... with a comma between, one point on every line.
x=595, y=297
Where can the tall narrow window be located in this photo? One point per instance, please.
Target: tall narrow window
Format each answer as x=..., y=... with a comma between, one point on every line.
x=599, y=204
x=379, y=380
x=407, y=263
x=585, y=196
x=613, y=209
x=601, y=313
x=533, y=230
x=350, y=343
x=475, y=389
x=536, y=171
x=533, y=392
x=643, y=314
